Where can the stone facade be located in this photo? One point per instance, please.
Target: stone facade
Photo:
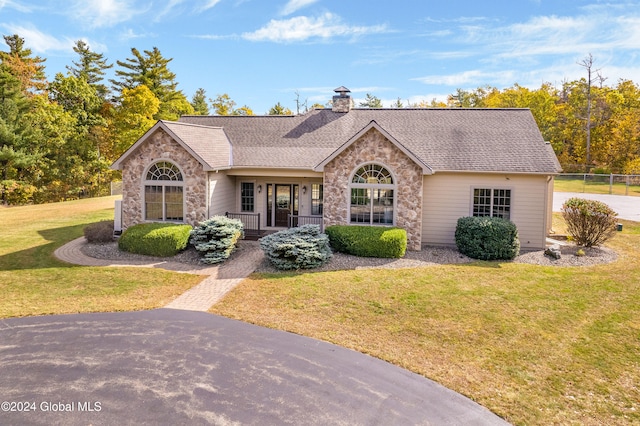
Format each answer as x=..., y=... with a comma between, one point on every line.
x=161, y=147
x=373, y=147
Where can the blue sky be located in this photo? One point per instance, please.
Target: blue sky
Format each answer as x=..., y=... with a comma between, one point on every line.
x=262, y=51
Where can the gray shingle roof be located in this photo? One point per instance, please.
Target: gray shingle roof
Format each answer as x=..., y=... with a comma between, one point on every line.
x=484, y=140
x=209, y=143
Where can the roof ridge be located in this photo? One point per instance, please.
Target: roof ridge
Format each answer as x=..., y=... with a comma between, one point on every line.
x=182, y=123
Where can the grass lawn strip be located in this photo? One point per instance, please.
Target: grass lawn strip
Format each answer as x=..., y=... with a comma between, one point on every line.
x=536, y=345
x=33, y=282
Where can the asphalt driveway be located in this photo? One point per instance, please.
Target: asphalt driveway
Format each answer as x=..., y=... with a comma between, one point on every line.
x=627, y=207
x=171, y=366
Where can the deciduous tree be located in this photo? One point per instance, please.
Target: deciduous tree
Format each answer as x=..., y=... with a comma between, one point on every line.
x=150, y=69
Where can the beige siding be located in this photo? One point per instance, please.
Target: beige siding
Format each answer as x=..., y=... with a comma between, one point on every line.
x=448, y=196
x=222, y=194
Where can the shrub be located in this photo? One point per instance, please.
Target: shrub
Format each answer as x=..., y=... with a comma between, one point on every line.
x=487, y=238
x=99, y=232
x=368, y=241
x=216, y=238
x=589, y=222
x=297, y=248
x=155, y=239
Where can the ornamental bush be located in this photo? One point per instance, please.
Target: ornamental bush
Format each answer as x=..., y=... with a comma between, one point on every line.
x=487, y=238
x=216, y=238
x=303, y=247
x=368, y=241
x=589, y=222
x=99, y=232
x=155, y=239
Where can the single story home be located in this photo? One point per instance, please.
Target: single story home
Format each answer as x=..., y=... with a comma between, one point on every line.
x=416, y=168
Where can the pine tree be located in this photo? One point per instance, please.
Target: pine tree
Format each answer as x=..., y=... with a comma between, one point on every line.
x=199, y=102
x=91, y=66
x=27, y=69
x=151, y=69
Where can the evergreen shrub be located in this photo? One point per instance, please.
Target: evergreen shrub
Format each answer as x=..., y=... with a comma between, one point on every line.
x=487, y=238
x=216, y=238
x=368, y=241
x=155, y=239
x=304, y=247
x=589, y=222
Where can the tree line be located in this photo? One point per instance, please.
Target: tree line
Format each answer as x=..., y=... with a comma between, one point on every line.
x=59, y=137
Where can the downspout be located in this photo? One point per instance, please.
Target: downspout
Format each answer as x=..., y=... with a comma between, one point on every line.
x=548, y=208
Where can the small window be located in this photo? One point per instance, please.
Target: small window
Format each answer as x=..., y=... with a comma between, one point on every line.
x=492, y=202
x=316, y=199
x=247, y=197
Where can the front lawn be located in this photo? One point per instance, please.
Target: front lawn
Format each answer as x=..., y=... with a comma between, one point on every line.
x=536, y=345
x=33, y=282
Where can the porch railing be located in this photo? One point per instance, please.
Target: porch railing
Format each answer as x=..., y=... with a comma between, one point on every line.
x=250, y=222
x=297, y=220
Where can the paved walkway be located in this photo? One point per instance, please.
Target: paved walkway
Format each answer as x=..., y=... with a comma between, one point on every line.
x=220, y=279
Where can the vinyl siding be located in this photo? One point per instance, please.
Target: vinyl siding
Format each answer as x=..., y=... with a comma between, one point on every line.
x=222, y=194
x=448, y=196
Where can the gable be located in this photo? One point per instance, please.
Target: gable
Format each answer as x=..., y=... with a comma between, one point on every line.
x=374, y=126
x=207, y=145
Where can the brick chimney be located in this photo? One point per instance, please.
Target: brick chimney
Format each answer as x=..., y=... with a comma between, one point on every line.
x=341, y=101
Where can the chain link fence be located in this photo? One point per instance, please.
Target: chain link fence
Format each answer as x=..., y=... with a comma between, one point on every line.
x=598, y=183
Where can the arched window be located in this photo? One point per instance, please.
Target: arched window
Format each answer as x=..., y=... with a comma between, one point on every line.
x=372, y=189
x=163, y=193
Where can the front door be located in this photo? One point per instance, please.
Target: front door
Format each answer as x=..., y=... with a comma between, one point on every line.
x=283, y=201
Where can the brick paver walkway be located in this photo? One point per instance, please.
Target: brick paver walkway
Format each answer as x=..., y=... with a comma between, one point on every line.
x=220, y=280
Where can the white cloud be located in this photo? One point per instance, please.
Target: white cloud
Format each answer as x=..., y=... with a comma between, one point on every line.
x=171, y=4
x=466, y=78
x=38, y=41
x=302, y=28
x=17, y=6
x=208, y=5
x=104, y=13
x=129, y=34
x=294, y=5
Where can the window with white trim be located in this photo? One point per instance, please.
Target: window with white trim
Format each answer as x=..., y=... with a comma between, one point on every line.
x=372, y=190
x=164, y=193
x=492, y=202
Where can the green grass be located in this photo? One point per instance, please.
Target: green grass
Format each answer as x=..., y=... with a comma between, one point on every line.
x=536, y=345
x=34, y=282
x=562, y=184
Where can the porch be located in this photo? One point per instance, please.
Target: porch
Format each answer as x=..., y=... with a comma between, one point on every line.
x=253, y=229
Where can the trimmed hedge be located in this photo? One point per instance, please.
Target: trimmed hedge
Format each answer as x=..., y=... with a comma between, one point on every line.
x=297, y=248
x=99, y=232
x=155, y=239
x=216, y=238
x=487, y=238
x=589, y=222
x=368, y=241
